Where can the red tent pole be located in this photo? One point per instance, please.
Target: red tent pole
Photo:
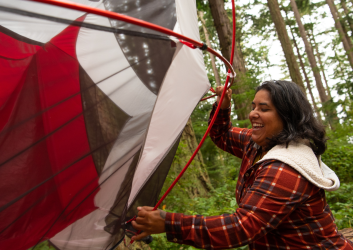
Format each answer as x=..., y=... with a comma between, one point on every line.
x=135, y=21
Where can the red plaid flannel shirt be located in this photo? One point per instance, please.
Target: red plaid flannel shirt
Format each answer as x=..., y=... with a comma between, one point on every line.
x=278, y=207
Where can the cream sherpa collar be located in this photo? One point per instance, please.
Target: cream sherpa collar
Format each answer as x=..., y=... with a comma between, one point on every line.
x=302, y=158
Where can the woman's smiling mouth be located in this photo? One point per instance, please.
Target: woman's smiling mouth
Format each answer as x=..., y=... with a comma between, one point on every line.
x=257, y=126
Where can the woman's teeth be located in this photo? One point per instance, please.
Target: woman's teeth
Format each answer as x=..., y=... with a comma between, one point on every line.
x=257, y=125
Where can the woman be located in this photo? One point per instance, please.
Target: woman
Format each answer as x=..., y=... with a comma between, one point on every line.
x=281, y=183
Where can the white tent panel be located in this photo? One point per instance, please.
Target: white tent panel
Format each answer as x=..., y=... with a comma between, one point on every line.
x=96, y=50
x=43, y=30
x=184, y=85
x=129, y=142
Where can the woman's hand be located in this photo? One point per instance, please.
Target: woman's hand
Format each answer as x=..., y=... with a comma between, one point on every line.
x=149, y=221
x=227, y=98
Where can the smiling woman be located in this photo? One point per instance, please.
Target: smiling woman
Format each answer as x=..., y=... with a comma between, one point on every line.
x=264, y=118
x=281, y=185
x=296, y=114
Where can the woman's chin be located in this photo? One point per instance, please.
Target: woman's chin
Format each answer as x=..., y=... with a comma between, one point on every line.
x=257, y=139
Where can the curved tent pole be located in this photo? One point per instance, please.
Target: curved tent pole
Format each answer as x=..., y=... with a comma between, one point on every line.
x=135, y=21
x=230, y=73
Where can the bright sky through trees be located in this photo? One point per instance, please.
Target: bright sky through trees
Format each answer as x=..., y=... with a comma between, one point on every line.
x=322, y=19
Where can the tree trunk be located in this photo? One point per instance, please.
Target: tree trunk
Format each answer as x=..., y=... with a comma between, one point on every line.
x=344, y=28
x=195, y=181
x=315, y=45
x=213, y=61
x=188, y=137
x=346, y=43
x=323, y=97
x=224, y=31
x=348, y=18
x=285, y=42
x=306, y=77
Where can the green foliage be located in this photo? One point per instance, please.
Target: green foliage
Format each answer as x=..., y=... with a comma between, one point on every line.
x=339, y=153
x=43, y=246
x=339, y=157
x=341, y=204
x=160, y=243
x=201, y=5
x=220, y=200
x=304, y=6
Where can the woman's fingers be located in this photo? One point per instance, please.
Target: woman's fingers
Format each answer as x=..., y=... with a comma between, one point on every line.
x=138, y=226
x=227, y=98
x=140, y=236
x=143, y=211
x=141, y=220
x=147, y=208
x=219, y=90
x=148, y=220
x=229, y=93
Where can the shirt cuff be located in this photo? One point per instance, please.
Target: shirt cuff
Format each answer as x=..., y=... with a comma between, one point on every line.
x=222, y=112
x=173, y=227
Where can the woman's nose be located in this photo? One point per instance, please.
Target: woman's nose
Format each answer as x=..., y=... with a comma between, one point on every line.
x=253, y=114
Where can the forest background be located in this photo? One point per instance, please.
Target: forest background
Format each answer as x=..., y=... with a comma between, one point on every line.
x=306, y=41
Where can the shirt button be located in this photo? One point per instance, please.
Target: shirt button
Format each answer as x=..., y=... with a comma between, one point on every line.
x=246, y=174
x=175, y=240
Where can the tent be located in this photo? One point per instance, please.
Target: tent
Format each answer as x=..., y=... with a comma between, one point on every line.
x=91, y=110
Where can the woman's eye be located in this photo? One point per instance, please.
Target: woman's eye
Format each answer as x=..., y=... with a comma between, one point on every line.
x=264, y=110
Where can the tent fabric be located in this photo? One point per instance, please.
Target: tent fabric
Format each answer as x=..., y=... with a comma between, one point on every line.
x=91, y=118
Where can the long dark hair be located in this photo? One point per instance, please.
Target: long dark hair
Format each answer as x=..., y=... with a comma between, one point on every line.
x=297, y=116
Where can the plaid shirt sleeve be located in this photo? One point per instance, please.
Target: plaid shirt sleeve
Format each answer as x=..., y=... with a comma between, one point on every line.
x=225, y=136
x=276, y=192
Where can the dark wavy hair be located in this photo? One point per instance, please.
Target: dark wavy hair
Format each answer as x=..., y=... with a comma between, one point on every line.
x=297, y=116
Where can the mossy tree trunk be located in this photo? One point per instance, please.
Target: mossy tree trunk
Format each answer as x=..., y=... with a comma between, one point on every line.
x=194, y=183
x=195, y=180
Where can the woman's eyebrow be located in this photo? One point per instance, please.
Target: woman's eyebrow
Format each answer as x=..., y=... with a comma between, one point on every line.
x=261, y=103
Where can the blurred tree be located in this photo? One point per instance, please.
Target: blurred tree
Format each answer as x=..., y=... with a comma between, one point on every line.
x=318, y=55
x=285, y=42
x=308, y=86
x=309, y=51
x=347, y=44
x=347, y=16
x=207, y=38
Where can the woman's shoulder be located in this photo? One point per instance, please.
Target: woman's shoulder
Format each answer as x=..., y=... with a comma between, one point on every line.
x=300, y=160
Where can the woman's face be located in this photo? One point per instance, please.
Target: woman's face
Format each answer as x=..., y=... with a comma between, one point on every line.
x=264, y=118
